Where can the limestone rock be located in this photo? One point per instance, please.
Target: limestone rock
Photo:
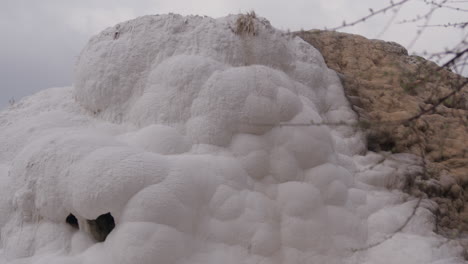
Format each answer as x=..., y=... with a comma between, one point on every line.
x=386, y=87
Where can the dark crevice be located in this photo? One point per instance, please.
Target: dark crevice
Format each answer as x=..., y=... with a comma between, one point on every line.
x=101, y=226
x=71, y=220
x=387, y=145
x=380, y=141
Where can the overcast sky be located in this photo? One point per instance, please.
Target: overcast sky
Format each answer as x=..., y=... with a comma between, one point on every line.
x=42, y=39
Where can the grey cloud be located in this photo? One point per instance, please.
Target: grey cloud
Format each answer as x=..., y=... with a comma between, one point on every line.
x=41, y=39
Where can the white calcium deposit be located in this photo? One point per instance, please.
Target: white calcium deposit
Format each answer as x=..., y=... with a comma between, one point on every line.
x=207, y=147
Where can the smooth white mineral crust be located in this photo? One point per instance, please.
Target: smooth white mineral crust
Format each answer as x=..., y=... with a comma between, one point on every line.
x=199, y=143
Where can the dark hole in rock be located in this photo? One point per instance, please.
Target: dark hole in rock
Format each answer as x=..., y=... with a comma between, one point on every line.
x=387, y=145
x=380, y=141
x=101, y=227
x=71, y=220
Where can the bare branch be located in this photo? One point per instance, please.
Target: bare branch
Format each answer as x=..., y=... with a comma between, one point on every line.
x=439, y=102
x=372, y=14
x=455, y=58
x=454, y=25
x=408, y=219
x=442, y=5
x=390, y=22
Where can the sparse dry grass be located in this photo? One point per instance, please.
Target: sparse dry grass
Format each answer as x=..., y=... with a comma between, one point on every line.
x=245, y=24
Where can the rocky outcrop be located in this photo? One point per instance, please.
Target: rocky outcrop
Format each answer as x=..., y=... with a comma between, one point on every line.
x=387, y=87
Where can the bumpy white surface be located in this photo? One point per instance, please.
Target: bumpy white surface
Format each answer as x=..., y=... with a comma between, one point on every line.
x=174, y=125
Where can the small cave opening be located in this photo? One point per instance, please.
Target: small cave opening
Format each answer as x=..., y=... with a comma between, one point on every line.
x=101, y=226
x=380, y=141
x=71, y=220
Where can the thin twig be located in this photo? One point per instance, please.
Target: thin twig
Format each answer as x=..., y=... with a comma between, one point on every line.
x=439, y=102
x=442, y=5
x=390, y=22
x=373, y=13
x=408, y=219
x=455, y=25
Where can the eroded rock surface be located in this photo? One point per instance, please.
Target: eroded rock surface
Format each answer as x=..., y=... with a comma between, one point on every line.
x=386, y=87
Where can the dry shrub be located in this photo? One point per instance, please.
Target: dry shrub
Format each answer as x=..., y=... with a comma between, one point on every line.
x=245, y=24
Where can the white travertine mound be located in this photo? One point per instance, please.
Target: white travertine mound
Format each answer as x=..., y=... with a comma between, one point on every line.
x=198, y=142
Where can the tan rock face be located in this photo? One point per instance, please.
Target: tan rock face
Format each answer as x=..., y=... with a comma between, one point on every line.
x=386, y=87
